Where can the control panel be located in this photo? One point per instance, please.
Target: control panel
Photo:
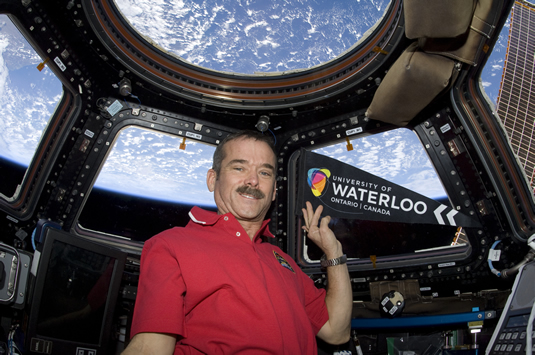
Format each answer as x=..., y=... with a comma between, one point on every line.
x=512, y=334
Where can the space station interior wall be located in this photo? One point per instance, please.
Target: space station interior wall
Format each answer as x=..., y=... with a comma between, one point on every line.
x=431, y=63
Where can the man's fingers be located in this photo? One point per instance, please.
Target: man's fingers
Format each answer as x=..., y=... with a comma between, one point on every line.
x=308, y=214
x=325, y=221
x=312, y=217
x=317, y=214
x=305, y=217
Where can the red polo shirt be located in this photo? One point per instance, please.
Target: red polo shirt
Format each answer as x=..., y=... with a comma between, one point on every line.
x=222, y=293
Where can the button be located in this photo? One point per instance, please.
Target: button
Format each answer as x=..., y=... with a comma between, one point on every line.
x=225, y=218
x=515, y=335
x=518, y=347
x=508, y=336
x=502, y=336
x=497, y=347
x=504, y=346
x=523, y=335
x=510, y=347
x=238, y=234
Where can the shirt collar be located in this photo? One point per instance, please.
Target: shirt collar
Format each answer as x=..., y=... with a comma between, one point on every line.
x=209, y=218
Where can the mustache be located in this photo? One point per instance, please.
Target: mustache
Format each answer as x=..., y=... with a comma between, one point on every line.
x=250, y=191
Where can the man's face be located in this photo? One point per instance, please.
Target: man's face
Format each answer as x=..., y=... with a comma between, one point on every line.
x=245, y=186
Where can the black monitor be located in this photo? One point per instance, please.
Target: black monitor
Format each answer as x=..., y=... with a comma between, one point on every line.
x=74, y=294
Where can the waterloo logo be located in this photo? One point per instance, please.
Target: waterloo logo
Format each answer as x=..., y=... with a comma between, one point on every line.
x=348, y=192
x=318, y=179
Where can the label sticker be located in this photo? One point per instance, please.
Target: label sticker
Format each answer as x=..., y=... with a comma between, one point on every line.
x=193, y=135
x=60, y=64
x=445, y=128
x=35, y=262
x=114, y=108
x=354, y=131
x=494, y=255
x=447, y=264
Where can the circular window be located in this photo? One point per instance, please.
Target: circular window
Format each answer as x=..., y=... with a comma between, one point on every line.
x=249, y=36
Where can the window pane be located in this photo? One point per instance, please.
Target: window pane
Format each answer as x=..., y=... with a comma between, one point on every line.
x=148, y=184
x=399, y=157
x=491, y=74
x=254, y=36
x=396, y=156
x=28, y=98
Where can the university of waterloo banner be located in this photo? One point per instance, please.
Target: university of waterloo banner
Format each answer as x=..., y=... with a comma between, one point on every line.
x=351, y=193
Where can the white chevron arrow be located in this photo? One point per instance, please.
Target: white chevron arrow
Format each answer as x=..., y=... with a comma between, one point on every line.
x=450, y=216
x=438, y=211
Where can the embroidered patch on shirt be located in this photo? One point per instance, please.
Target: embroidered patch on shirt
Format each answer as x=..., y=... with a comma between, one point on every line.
x=283, y=262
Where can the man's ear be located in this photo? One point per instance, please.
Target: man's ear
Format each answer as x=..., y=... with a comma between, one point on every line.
x=274, y=191
x=211, y=177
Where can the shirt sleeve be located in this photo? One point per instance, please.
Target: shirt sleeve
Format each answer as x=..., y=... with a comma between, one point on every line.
x=159, y=304
x=314, y=303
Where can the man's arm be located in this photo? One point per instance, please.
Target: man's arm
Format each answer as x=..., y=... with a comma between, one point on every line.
x=339, y=298
x=151, y=344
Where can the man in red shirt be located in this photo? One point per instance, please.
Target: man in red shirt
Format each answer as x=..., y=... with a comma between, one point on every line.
x=216, y=287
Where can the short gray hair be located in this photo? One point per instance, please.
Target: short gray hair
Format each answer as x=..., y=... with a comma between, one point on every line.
x=219, y=153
